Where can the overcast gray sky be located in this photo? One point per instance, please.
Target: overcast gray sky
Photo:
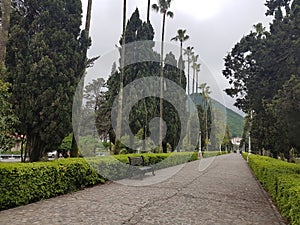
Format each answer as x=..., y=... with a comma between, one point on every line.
x=214, y=26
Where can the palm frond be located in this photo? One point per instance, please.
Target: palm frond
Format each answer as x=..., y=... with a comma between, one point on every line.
x=155, y=7
x=175, y=38
x=170, y=14
x=186, y=37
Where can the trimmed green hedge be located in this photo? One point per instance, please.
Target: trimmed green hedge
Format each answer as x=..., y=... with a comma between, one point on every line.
x=30, y=182
x=282, y=181
x=207, y=154
x=23, y=183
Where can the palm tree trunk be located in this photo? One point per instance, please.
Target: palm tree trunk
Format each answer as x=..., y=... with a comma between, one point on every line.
x=148, y=11
x=120, y=100
x=189, y=106
x=197, y=81
x=194, y=74
x=88, y=17
x=180, y=66
x=189, y=64
x=74, y=146
x=5, y=18
x=161, y=81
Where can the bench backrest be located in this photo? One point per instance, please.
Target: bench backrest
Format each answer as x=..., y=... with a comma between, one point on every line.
x=136, y=161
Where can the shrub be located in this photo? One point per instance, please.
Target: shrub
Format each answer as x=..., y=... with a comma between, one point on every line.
x=23, y=183
x=282, y=181
x=207, y=154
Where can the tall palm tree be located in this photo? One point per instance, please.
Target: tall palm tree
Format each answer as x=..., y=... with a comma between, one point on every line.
x=181, y=37
x=162, y=7
x=88, y=17
x=120, y=100
x=194, y=67
x=148, y=11
x=74, y=146
x=205, y=92
x=197, y=76
x=189, y=52
x=4, y=27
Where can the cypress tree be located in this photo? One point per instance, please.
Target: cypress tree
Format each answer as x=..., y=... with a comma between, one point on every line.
x=45, y=59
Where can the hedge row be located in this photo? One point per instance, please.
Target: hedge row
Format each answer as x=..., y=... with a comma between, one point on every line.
x=23, y=183
x=207, y=154
x=282, y=181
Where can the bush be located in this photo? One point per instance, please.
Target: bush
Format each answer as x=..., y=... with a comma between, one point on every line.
x=29, y=182
x=207, y=154
x=23, y=183
x=282, y=181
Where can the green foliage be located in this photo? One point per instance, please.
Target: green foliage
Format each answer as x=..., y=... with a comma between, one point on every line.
x=208, y=154
x=263, y=70
x=141, y=61
x=282, y=181
x=235, y=123
x=45, y=60
x=226, y=143
x=7, y=118
x=285, y=106
x=66, y=143
x=25, y=183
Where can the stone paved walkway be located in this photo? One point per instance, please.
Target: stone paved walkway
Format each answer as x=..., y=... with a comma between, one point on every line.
x=220, y=190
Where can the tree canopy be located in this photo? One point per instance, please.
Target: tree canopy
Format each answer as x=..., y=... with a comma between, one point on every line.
x=263, y=69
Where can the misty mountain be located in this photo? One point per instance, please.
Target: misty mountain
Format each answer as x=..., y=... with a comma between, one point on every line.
x=234, y=120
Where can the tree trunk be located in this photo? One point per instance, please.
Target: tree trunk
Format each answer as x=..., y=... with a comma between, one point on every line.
x=88, y=18
x=197, y=81
x=148, y=11
x=161, y=82
x=194, y=75
x=5, y=21
x=180, y=65
x=74, y=147
x=35, y=148
x=189, y=106
x=120, y=99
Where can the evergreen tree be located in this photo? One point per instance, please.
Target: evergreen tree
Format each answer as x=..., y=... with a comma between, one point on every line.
x=5, y=9
x=45, y=60
x=8, y=121
x=140, y=61
x=259, y=66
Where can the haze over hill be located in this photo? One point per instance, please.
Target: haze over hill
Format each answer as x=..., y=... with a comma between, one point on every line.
x=233, y=119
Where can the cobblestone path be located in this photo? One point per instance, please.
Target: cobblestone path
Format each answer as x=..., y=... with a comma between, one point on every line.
x=219, y=190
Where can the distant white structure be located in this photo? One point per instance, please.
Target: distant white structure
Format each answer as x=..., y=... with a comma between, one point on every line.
x=236, y=141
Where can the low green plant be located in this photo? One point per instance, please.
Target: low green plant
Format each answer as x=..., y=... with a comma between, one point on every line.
x=23, y=183
x=207, y=154
x=282, y=181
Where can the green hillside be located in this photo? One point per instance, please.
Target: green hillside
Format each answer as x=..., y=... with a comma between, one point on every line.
x=234, y=120
x=235, y=123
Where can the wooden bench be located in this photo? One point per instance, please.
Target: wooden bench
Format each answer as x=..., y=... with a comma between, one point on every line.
x=137, y=166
